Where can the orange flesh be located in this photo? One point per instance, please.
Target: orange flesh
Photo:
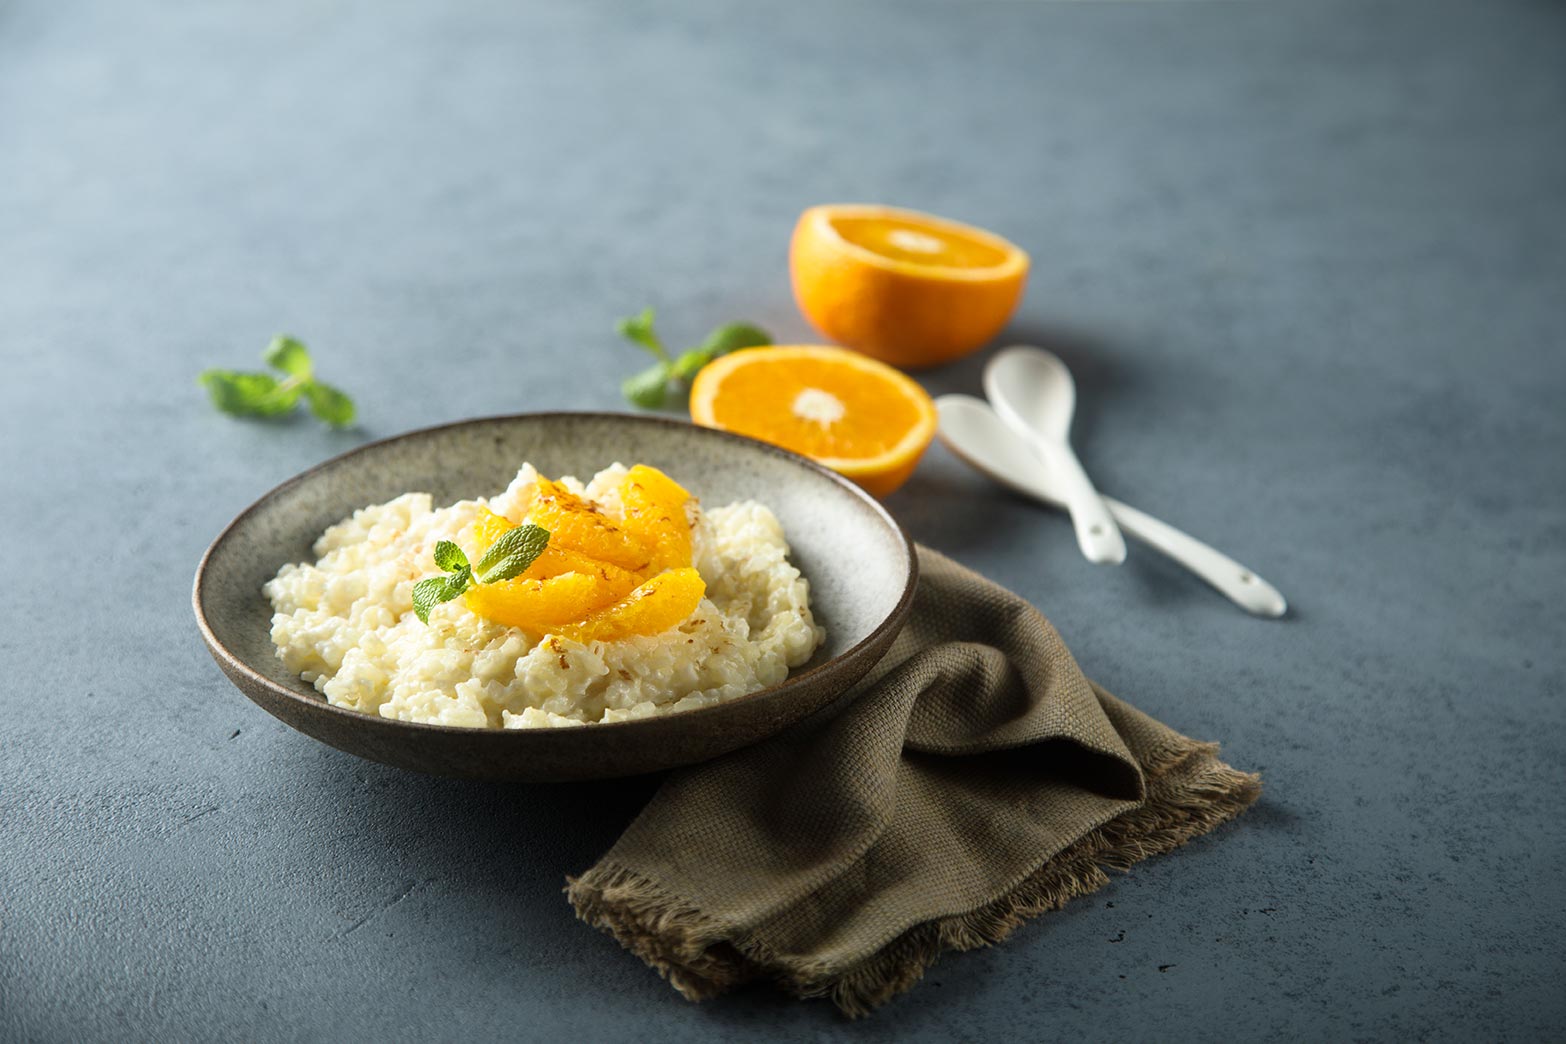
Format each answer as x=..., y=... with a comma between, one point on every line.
x=655, y=514
x=579, y=525
x=759, y=399
x=569, y=591
x=540, y=605
x=553, y=561
x=916, y=243
x=487, y=529
x=656, y=606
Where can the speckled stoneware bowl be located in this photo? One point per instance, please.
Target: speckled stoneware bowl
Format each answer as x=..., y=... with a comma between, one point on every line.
x=859, y=562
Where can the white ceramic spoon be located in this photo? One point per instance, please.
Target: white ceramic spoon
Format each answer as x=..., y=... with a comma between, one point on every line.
x=973, y=431
x=1033, y=392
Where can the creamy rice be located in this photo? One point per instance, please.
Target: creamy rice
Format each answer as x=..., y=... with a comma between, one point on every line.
x=346, y=623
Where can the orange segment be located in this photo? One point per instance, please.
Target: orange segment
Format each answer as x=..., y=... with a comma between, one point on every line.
x=560, y=587
x=553, y=561
x=659, y=604
x=556, y=561
x=541, y=605
x=487, y=529
x=579, y=525
x=655, y=514
x=909, y=288
x=855, y=415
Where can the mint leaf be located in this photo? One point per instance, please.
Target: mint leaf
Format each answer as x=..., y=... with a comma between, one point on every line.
x=648, y=388
x=449, y=556
x=731, y=337
x=639, y=328
x=330, y=404
x=249, y=394
x=289, y=355
x=430, y=592
x=263, y=395
x=688, y=363
x=511, y=555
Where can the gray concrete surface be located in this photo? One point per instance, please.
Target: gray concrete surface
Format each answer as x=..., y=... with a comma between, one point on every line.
x=1308, y=262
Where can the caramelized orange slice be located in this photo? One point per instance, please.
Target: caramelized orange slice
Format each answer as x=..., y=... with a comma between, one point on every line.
x=554, y=561
x=659, y=604
x=541, y=605
x=655, y=514
x=560, y=587
x=487, y=529
x=578, y=525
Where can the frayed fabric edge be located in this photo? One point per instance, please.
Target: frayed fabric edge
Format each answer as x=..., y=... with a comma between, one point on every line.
x=1190, y=793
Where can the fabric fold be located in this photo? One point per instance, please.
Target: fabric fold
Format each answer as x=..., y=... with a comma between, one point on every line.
x=976, y=780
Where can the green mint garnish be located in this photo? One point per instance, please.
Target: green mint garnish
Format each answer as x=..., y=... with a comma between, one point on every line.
x=731, y=337
x=250, y=394
x=243, y=394
x=639, y=328
x=449, y=557
x=430, y=592
x=509, y=556
x=647, y=389
x=650, y=388
x=290, y=356
x=329, y=404
x=685, y=367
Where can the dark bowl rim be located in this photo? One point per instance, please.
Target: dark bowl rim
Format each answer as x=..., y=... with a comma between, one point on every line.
x=232, y=663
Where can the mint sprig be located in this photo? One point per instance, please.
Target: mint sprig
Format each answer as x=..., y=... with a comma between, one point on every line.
x=243, y=394
x=509, y=556
x=650, y=389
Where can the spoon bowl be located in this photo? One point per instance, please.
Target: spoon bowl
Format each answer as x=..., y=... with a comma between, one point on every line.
x=1035, y=388
x=1033, y=392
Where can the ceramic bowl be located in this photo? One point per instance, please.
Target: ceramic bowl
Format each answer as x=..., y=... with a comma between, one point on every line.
x=859, y=562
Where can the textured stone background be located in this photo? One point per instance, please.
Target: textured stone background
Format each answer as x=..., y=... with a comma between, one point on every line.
x=1307, y=261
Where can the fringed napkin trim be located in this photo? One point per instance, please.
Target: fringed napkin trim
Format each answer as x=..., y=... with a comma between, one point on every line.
x=1190, y=792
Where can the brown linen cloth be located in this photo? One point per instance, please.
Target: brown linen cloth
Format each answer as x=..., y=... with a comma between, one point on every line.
x=974, y=781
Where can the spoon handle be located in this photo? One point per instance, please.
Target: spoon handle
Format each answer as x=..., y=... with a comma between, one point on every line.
x=1243, y=587
x=1097, y=535
x=973, y=431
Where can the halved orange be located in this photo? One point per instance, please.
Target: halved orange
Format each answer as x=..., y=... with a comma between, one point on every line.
x=909, y=288
x=857, y=416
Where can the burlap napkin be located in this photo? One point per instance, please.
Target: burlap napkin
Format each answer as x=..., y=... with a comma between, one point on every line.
x=976, y=780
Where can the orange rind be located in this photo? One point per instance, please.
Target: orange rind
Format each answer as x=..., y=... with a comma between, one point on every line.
x=909, y=288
